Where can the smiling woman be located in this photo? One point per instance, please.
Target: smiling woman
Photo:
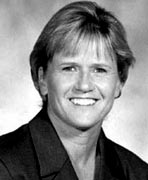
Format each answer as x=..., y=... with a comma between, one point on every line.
x=81, y=88
x=79, y=66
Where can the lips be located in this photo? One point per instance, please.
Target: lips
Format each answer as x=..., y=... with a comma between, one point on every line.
x=83, y=101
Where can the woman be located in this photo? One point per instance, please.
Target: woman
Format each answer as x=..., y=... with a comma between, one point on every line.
x=79, y=65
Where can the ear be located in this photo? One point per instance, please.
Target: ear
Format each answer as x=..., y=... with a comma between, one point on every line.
x=118, y=90
x=42, y=82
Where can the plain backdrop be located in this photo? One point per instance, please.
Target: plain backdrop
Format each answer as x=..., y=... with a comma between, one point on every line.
x=21, y=22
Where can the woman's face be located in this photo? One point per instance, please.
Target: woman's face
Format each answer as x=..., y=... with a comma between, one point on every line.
x=81, y=88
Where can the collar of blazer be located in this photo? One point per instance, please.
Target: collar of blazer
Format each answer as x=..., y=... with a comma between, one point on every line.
x=53, y=158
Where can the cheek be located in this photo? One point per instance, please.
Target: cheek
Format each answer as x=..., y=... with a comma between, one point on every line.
x=107, y=87
x=57, y=87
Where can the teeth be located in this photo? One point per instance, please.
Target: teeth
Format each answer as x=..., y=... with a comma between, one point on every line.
x=83, y=102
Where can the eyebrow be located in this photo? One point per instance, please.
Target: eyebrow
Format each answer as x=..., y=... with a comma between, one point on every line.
x=68, y=63
x=101, y=64
x=92, y=65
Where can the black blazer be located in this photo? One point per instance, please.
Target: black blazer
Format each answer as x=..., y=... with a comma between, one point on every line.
x=35, y=152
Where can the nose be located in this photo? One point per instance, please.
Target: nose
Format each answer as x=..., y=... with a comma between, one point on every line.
x=84, y=82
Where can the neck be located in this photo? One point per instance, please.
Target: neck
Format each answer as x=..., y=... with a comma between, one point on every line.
x=79, y=144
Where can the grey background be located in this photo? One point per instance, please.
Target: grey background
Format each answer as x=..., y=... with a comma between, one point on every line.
x=21, y=21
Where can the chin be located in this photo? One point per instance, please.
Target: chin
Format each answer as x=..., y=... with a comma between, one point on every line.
x=86, y=124
x=84, y=127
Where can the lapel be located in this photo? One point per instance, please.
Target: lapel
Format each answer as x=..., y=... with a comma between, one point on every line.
x=108, y=165
x=53, y=160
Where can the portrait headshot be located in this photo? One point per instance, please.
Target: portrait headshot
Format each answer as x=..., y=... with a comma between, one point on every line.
x=73, y=90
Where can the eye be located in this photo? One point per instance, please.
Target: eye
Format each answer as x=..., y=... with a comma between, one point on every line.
x=100, y=70
x=69, y=69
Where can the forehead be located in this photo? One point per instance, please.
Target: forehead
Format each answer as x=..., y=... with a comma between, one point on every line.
x=97, y=47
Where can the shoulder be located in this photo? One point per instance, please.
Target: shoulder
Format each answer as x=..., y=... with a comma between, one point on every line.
x=9, y=142
x=133, y=166
x=17, y=157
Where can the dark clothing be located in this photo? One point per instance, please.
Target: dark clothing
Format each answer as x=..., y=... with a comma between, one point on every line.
x=35, y=152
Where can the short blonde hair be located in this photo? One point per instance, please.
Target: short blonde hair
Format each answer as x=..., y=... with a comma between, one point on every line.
x=71, y=23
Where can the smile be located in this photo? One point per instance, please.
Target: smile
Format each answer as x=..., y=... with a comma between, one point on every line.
x=83, y=101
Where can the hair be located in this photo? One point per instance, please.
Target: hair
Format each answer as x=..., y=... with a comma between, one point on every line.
x=75, y=21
